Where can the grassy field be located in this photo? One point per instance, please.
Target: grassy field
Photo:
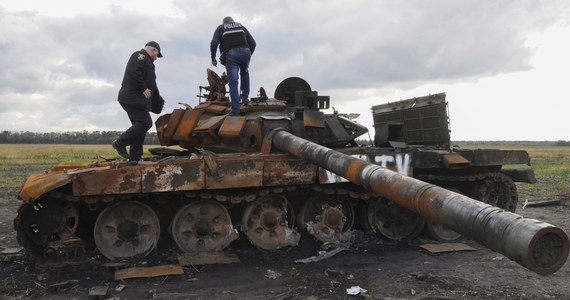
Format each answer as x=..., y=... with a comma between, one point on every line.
x=551, y=164
x=40, y=153
x=18, y=161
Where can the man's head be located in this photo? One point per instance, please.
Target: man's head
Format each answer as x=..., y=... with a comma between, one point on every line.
x=153, y=49
x=227, y=19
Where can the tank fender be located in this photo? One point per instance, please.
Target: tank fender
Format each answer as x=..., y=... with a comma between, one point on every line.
x=39, y=184
x=520, y=175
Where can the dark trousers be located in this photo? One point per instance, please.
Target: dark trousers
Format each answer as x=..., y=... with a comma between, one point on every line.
x=134, y=136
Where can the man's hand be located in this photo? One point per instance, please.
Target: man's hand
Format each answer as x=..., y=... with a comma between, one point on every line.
x=214, y=62
x=147, y=93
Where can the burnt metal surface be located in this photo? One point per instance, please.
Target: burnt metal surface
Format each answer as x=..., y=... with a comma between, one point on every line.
x=287, y=88
x=288, y=172
x=184, y=175
x=493, y=157
x=522, y=240
x=108, y=181
x=173, y=177
x=416, y=121
x=38, y=184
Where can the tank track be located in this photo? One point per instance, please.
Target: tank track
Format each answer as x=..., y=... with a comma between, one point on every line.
x=493, y=188
x=45, y=248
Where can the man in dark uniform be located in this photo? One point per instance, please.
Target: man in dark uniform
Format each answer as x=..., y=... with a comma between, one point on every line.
x=135, y=96
x=236, y=47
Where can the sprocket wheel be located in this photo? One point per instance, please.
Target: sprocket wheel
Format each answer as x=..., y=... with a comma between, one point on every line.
x=46, y=221
x=496, y=189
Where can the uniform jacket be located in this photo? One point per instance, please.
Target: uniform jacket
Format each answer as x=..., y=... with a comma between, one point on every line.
x=139, y=75
x=231, y=35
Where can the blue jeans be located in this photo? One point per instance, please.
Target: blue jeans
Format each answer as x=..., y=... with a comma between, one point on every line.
x=237, y=60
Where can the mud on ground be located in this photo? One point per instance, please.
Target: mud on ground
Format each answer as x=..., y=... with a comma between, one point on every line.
x=385, y=269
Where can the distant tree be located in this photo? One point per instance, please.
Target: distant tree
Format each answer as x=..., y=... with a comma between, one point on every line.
x=562, y=143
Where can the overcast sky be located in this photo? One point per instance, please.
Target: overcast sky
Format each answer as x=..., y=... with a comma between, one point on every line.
x=504, y=65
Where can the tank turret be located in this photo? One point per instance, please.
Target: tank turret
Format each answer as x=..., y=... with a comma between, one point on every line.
x=207, y=125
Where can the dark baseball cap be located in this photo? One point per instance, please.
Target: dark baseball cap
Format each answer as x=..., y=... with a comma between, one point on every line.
x=155, y=45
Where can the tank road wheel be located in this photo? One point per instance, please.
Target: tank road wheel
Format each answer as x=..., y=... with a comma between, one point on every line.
x=265, y=224
x=327, y=218
x=440, y=232
x=203, y=226
x=394, y=221
x=46, y=221
x=126, y=229
x=498, y=190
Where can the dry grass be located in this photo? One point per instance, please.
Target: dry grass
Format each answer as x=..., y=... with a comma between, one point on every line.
x=40, y=153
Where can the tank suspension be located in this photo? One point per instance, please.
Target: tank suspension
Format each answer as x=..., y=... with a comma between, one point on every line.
x=126, y=229
x=393, y=221
x=203, y=226
x=46, y=222
x=326, y=217
x=537, y=246
x=265, y=224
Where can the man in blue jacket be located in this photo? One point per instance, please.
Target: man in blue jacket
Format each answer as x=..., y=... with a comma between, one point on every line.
x=236, y=47
x=136, y=96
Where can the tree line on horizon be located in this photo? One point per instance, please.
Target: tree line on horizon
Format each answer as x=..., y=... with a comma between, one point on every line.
x=68, y=137
x=106, y=137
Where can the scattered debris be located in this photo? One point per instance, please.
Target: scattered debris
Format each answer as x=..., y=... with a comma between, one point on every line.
x=446, y=247
x=137, y=272
x=42, y=276
x=498, y=258
x=272, y=274
x=207, y=258
x=11, y=254
x=60, y=286
x=355, y=290
x=98, y=292
x=153, y=294
x=538, y=203
x=322, y=255
x=120, y=287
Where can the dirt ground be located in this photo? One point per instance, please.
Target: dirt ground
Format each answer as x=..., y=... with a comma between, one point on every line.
x=385, y=269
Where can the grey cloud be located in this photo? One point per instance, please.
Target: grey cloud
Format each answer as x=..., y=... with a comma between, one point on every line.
x=334, y=45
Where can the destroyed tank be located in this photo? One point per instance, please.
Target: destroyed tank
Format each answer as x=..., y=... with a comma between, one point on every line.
x=283, y=167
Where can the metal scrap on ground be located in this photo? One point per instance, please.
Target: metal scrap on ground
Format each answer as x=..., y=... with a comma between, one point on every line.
x=137, y=272
x=207, y=258
x=321, y=257
x=446, y=247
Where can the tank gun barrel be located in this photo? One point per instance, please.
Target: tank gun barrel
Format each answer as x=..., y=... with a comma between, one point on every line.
x=537, y=246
